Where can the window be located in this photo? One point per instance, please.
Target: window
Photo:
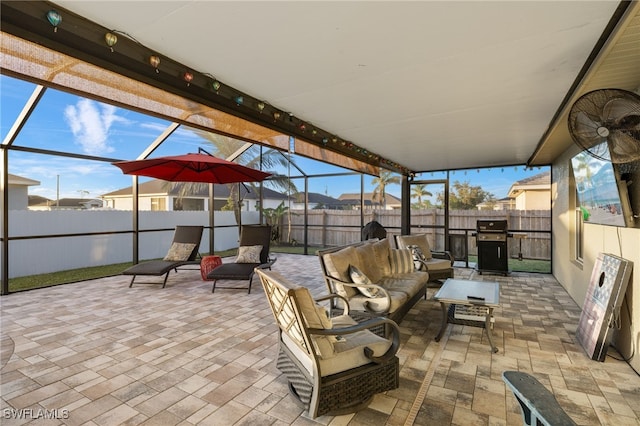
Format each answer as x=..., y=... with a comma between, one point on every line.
x=158, y=204
x=579, y=234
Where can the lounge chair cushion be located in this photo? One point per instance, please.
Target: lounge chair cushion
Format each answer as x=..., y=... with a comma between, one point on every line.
x=179, y=252
x=152, y=267
x=232, y=271
x=249, y=254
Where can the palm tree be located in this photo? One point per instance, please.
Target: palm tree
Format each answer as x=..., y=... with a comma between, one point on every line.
x=224, y=147
x=418, y=191
x=380, y=191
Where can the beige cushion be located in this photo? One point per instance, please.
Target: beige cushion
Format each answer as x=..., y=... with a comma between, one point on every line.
x=337, y=263
x=381, y=252
x=434, y=264
x=249, y=254
x=378, y=304
x=349, y=352
x=358, y=277
x=179, y=252
x=409, y=283
x=401, y=261
x=315, y=316
x=419, y=240
x=367, y=262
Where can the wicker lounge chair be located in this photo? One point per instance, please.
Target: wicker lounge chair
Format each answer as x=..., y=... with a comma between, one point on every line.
x=183, y=251
x=255, y=241
x=333, y=366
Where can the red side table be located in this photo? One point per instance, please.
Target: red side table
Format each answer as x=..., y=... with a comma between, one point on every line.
x=208, y=264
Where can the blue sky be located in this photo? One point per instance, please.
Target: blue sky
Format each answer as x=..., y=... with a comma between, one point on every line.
x=68, y=123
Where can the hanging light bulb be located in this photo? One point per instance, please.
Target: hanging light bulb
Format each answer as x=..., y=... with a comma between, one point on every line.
x=155, y=62
x=54, y=19
x=260, y=106
x=111, y=39
x=187, y=76
x=215, y=85
x=276, y=115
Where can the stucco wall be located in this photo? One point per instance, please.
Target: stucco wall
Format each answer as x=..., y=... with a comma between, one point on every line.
x=574, y=276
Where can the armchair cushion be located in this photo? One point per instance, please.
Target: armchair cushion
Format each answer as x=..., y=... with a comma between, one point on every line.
x=179, y=252
x=337, y=265
x=316, y=316
x=349, y=351
x=249, y=254
x=419, y=240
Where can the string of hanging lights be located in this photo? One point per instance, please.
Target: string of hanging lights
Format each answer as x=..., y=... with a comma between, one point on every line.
x=165, y=69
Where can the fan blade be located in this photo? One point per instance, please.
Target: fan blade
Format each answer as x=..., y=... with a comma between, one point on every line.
x=585, y=128
x=618, y=108
x=624, y=147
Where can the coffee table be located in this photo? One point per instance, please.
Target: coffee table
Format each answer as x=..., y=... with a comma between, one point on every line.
x=468, y=303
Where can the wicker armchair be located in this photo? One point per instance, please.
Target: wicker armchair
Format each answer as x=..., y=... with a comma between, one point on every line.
x=334, y=365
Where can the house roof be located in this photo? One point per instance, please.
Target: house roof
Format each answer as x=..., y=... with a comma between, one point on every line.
x=539, y=182
x=161, y=187
x=19, y=180
x=367, y=197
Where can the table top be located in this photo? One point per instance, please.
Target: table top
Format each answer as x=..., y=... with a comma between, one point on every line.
x=458, y=292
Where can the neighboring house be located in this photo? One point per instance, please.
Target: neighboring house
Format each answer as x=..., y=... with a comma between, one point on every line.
x=37, y=202
x=352, y=200
x=317, y=201
x=498, y=205
x=532, y=193
x=19, y=192
x=159, y=195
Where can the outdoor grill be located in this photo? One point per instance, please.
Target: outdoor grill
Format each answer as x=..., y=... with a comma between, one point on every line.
x=491, y=240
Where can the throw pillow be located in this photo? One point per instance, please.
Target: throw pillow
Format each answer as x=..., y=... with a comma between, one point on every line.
x=418, y=257
x=249, y=254
x=179, y=252
x=358, y=277
x=401, y=261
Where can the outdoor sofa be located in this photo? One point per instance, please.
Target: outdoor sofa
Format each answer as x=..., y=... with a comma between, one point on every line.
x=376, y=279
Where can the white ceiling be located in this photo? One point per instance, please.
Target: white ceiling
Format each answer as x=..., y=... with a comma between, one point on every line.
x=431, y=85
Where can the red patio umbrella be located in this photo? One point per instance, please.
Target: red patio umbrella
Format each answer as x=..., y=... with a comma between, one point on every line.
x=192, y=168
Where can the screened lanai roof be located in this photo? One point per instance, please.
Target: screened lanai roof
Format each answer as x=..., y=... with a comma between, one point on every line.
x=427, y=85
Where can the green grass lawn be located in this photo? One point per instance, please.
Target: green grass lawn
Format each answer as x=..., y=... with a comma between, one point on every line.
x=83, y=274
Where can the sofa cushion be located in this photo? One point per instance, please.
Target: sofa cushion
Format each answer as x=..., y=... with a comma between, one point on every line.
x=378, y=304
x=366, y=262
x=381, y=252
x=400, y=261
x=409, y=283
x=337, y=263
x=358, y=277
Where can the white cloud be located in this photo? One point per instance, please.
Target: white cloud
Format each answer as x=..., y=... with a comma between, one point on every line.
x=90, y=123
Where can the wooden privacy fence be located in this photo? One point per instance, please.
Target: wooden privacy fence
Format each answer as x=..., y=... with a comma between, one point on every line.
x=338, y=227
